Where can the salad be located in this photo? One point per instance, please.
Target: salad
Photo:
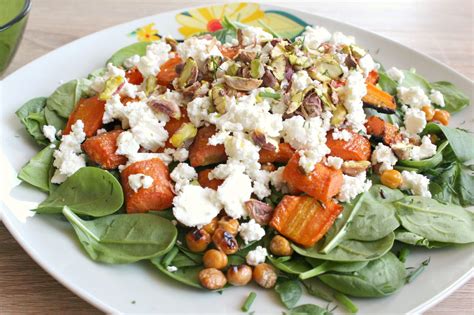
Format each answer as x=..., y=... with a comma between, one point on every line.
x=239, y=156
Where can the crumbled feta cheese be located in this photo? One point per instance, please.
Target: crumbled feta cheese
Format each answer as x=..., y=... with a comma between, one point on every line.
x=182, y=175
x=251, y=231
x=276, y=178
x=341, y=134
x=315, y=36
x=219, y=138
x=426, y=150
x=172, y=268
x=101, y=131
x=417, y=184
x=339, y=38
x=352, y=186
x=68, y=158
x=126, y=144
x=384, y=155
x=437, y=98
x=157, y=53
x=129, y=90
x=396, y=74
x=222, y=171
x=181, y=154
x=300, y=80
x=309, y=158
x=256, y=256
x=198, y=110
x=195, y=205
x=233, y=192
x=49, y=132
x=132, y=61
x=200, y=49
x=413, y=96
x=415, y=121
x=261, y=182
x=239, y=148
x=354, y=90
x=254, y=35
x=367, y=64
x=334, y=162
x=137, y=181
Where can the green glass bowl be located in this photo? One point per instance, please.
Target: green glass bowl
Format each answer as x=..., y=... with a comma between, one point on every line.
x=13, y=18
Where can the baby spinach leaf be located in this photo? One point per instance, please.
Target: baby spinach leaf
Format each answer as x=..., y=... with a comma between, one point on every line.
x=435, y=221
x=308, y=309
x=90, y=191
x=316, y=288
x=387, y=84
x=37, y=171
x=290, y=292
x=350, y=250
x=379, y=278
x=327, y=266
x=453, y=183
x=411, y=238
x=65, y=98
x=412, y=79
x=459, y=140
x=454, y=98
x=187, y=275
x=54, y=119
x=429, y=163
x=121, y=55
x=291, y=265
x=31, y=115
x=123, y=238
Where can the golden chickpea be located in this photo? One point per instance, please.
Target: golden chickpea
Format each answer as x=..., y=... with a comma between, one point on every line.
x=434, y=138
x=198, y=240
x=442, y=116
x=239, y=275
x=229, y=224
x=429, y=112
x=211, y=226
x=225, y=242
x=391, y=178
x=214, y=258
x=280, y=246
x=212, y=279
x=264, y=275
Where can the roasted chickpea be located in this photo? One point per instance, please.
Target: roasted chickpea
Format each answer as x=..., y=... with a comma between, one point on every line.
x=225, y=241
x=211, y=226
x=391, y=178
x=280, y=246
x=214, y=258
x=442, y=116
x=229, y=224
x=239, y=275
x=264, y=275
x=434, y=138
x=198, y=240
x=212, y=279
x=429, y=112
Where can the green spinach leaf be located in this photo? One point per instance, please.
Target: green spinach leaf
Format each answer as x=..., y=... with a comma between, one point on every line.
x=454, y=99
x=31, y=115
x=290, y=292
x=308, y=309
x=387, y=84
x=90, y=191
x=459, y=140
x=123, y=238
x=65, y=98
x=37, y=171
x=429, y=163
x=291, y=265
x=186, y=275
x=54, y=119
x=121, y=55
x=411, y=238
x=412, y=79
x=328, y=266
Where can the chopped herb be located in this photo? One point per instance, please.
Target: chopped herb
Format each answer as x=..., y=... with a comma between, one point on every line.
x=249, y=301
x=415, y=273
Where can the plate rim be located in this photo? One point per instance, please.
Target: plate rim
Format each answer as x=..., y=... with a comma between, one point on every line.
x=96, y=302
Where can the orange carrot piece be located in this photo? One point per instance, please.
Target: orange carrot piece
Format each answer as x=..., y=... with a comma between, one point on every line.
x=168, y=71
x=322, y=183
x=157, y=197
x=373, y=77
x=172, y=126
x=101, y=150
x=379, y=100
x=201, y=153
x=90, y=111
x=204, y=181
x=356, y=149
x=284, y=154
x=383, y=130
x=134, y=76
x=303, y=219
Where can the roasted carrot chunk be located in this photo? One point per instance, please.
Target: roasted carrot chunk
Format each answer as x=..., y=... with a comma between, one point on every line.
x=172, y=126
x=157, y=197
x=356, y=149
x=322, y=183
x=379, y=100
x=283, y=155
x=382, y=130
x=90, y=111
x=204, y=181
x=134, y=76
x=303, y=219
x=101, y=150
x=373, y=77
x=201, y=153
x=168, y=71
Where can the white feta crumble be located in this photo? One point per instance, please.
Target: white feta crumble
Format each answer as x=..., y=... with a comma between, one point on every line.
x=182, y=175
x=437, y=98
x=198, y=110
x=276, y=178
x=172, y=268
x=313, y=37
x=413, y=96
x=352, y=186
x=68, y=158
x=126, y=144
x=195, y=205
x=396, y=74
x=341, y=134
x=367, y=64
x=233, y=193
x=415, y=121
x=98, y=83
x=254, y=35
x=417, y=184
x=309, y=158
x=354, y=90
x=200, y=49
x=157, y=53
x=334, y=162
x=49, y=132
x=385, y=156
x=129, y=90
x=181, y=154
x=339, y=38
x=132, y=61
x=137, y=181
x=251, y=231
x=300, y=80
x=101, y=131
x=256, y=256
x=426, y=150
x=219, y=137
x=239, y=148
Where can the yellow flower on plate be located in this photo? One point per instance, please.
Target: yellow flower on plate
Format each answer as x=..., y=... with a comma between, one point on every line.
x=147, y=33
x=209, y=19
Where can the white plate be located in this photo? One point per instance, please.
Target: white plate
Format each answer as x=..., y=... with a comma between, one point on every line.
x=139, y=288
